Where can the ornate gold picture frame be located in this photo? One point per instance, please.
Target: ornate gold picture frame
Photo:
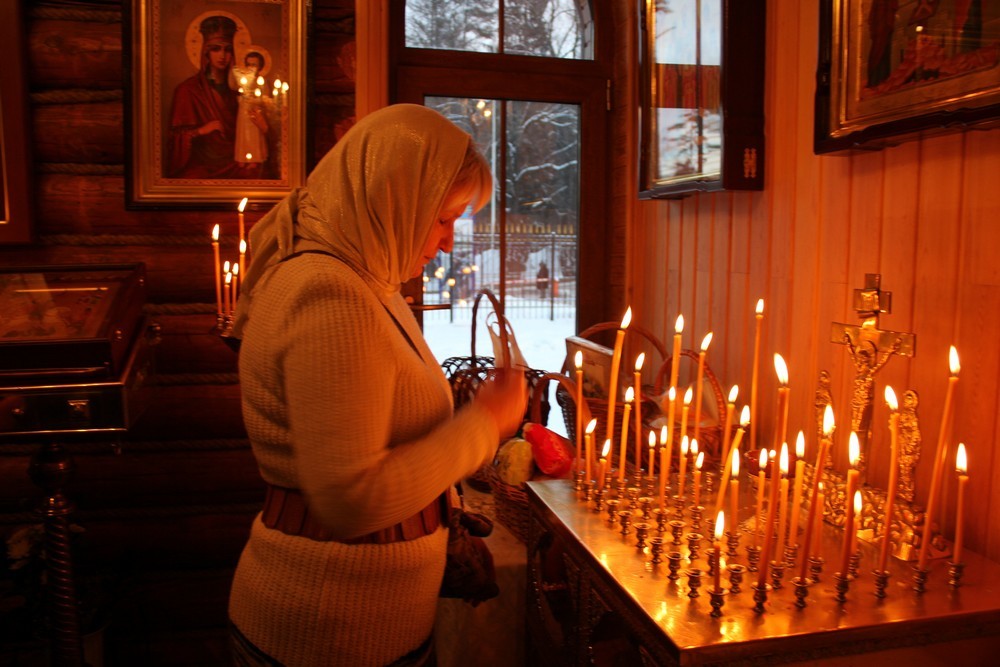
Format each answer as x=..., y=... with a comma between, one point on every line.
x=891, y=70
x=217, y=106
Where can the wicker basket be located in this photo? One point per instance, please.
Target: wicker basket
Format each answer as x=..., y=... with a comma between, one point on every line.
x=511, y=501
x=710, y=437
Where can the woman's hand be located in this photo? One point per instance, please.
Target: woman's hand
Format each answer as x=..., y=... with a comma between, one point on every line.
x=505, y=395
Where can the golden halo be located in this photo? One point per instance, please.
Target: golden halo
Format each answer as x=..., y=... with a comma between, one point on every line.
x=242, y=54
x=193, y=39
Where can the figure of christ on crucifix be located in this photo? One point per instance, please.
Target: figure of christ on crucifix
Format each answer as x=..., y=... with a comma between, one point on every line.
x=870, y=349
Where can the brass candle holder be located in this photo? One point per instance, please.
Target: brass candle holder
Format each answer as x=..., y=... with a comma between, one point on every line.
x=753, y=558
x=662, y=516
x=955, y=572
x=791, y=553
x=696, y=511
x=588, y=490
x=759, y=596
x=713, y=562
x=881, y=581
x=674, y=564
x=656, y=550
x=598, y=500
x=816, y=567
x=578, y=476
x=717, y=598
x=777, y=574
x=732, y=543
x=852, y=565
x=694, y=582
x=801, y=591
x=736, y=572
x=650, y=486
x=625, y=521
x=678, y=507
x=612, y=507
x=677, y=530
x=646, y=506
x=694, y=541
x=641, y=532
x=843, y=584
x=620, y=489
x=632, y=493
x=919, y=578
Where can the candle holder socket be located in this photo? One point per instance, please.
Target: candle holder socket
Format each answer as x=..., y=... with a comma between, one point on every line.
x=791, y=553
x=620, y=489
x=919, y=578
x=853, y=564
x=578, y=476
x=694, y=541
x=650, y=486
x=656, y=550
x=713, y=562
x=588, y=490
x=816, y=567
x=777, y=574
x=732, y=543
x=801, y=591
x=607, y=484
x=694, y=582
x=753, y=558
x=717, y=597
x=759, y=596
x=612, y=507
x=641, y=532
x=843, y=584
x=674, y=564
x=646, y=506
x=632, y=493
x=662, y=516
x=881, y=581
x=677, y=531
x=696, y=512
x=736, y=572
x=598, y=500
x=625, y=521
x=678, y=507
x=637, y=479
x=955, y=572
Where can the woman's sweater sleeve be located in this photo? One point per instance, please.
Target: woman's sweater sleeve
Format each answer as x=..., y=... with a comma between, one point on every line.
x=345, y=389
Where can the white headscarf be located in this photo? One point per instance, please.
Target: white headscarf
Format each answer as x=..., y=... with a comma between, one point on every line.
x=370, y=201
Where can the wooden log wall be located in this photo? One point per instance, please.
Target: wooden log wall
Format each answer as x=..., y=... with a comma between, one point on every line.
x=922, y=214
x=173, y=508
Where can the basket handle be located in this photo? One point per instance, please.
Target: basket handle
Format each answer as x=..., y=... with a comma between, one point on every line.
x=498, y=309
x=633, y=328
x=665, y=368
x=541, y=387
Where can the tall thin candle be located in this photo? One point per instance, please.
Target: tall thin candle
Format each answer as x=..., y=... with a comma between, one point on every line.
x=705, y=342
x=817, y=538
x=772, y=502
x=682, y=466
x=783, y=466
x=761, y=485
x=602, y=466
x=781, y=370
x=854, y=453
x=589, y=436
x=686, y=410
x=815, y=515
x=962, y=468
x=852, y=509
x=239, y=209
x=925, y=539
x=217, y=270
x=664, y=463
x=890, y=400
x=728, y=423
x=733, y=447
x=624, y=433
x=720, y=526
x=227, y=294
x=800, y=472
x=637, y=411
x=651, y=459
x=243, y=255
x=734, y=491
x=698, y=463
x=578, y=364
x=613, y=380
x=675, y=358
x=758, y=317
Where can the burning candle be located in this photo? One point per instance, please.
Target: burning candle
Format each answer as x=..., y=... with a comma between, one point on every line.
x=727, y=468
x=236, y=283
x=602, y=465
x=671, y=413
x=589, y=439
x=761, y=484
x=682, y=466
x=890, y=400
x=818, y=527
x=962, y=468
x=852, y=509
x=688, y=395
x=675, y=357
x=578, y=363
x=759, y=315
x=217, y=270
x=815, y=517
x=728, y=423
x=637, y=384
x=772, y=502
x=227, y=294
x=781, y=370
x=616, y=359
x=720, y=525
x=651, y=460
x=624, y=434
x=925, y=539
x=239, y=209
x=734, y=490
x=800, y=471
x=854, y=453
x=664, y=463
x=783, y=466
x=698, y=462
x=243, y=254
x=705, y=342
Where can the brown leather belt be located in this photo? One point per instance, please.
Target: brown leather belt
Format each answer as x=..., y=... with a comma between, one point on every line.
x=286, y=510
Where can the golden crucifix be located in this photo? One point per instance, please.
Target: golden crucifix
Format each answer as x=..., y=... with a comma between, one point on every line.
x=870, y=348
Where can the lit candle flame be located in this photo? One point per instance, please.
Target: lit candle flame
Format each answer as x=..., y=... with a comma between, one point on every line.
x=685, y=443
x=953, y=361
x=663, y=435
x=260, y=81
x=688, y=395
x=249, y=156
x=606, y=448
x=243, y=205
x=800, y=445
x=694, y=447
x=706, y=341
x=745, y=415
x=783, y=460
x=762, y=459
x=236, y=268
x=225, y=266
x=733, y=393
x=857, y=503
x=890, y=399
x=627, y=319
x=853, y=449
x=639, y=361
x=256, y=92
x=629, y=395
x=781, y=370
x=652, y=440
x=679, y=324
x=700, y=461
x=243, y=81
x=961, y=460
x=760, y=306
x=672, y=394
x=229, y=278
x=720, y=524
x=215, y=233
x=828, y=422
x=284, y=86
x=591, y=425
x=578, y=359
x=277, y=83
x=243, y=247
x=735, y=463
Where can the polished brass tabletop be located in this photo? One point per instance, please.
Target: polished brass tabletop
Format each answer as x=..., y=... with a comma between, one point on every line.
x=902, y=618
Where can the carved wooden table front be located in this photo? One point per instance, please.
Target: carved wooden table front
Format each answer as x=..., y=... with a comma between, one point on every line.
x=594, y=598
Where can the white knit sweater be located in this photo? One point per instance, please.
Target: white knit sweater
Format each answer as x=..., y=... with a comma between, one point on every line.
x=338, y=404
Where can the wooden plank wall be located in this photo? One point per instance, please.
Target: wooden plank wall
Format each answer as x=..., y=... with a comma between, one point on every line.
x=922, y=214
x=181, y=494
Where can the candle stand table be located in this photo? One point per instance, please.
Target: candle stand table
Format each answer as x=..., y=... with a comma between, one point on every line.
x=596, y=597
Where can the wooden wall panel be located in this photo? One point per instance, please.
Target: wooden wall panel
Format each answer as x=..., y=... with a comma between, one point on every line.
x=922, y=214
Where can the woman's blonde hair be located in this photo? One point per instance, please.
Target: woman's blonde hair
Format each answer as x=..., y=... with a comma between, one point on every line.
x=475, y=171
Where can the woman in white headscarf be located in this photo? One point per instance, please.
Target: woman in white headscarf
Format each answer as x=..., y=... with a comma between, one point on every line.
x=349, y=414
